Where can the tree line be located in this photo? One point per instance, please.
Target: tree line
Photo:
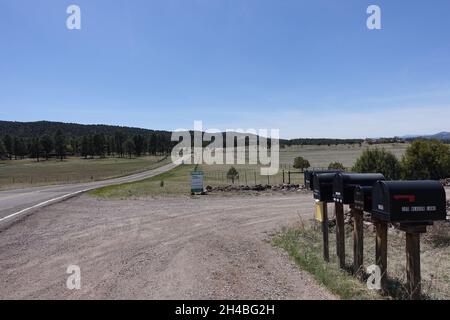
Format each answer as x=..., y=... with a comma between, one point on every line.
x=92, y=145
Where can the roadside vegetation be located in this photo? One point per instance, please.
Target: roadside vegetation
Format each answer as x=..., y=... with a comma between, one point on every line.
x=304, y=246
x=303, y=243
x=172, y=183
x=423, y=159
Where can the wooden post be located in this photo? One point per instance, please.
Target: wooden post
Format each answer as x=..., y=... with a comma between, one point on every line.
x=413, y=284
x=289, y=177
x=413, y=265
x=340, y=234
x=358, y=242
x=381, y=251
x=283, y=176
x=326, y=250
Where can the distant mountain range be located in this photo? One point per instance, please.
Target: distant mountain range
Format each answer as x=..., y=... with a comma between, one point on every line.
x=444, y=135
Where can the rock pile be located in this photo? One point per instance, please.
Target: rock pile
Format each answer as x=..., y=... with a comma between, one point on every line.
x=257, y=188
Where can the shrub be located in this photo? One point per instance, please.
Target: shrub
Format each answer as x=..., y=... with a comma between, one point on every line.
x=426, y=159
x=379, y=161
x=301, y=163
x=232, y=174
x=336, y=165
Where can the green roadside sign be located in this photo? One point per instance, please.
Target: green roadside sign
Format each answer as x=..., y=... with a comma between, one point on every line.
x=196, y=182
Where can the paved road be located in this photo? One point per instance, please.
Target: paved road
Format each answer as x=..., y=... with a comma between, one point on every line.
x=14, y=203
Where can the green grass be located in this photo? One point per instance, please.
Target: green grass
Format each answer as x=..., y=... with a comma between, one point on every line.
x=174, y=182
x=304, y=246
x=25, y=173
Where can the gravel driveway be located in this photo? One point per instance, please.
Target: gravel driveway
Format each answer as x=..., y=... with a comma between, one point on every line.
x=163, y=248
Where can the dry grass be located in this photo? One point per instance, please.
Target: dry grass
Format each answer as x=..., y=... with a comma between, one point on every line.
x=304, y=245
x=178, y=181
x=25, y=173
x=435, y=259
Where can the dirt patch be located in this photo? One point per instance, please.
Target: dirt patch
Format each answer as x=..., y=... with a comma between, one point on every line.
x=157, y=248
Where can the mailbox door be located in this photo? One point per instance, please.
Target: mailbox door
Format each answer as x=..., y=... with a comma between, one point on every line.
x=413, y=205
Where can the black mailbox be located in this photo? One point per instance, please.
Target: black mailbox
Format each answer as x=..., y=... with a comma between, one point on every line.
x=309, y=176
x=323, y=186
x=363, y=198
x=344, y=185
x=409, y=201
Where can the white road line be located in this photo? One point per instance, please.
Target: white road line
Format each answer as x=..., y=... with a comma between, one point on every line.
x=44, y=203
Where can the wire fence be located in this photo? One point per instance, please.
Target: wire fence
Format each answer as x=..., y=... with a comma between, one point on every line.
x=252, y=178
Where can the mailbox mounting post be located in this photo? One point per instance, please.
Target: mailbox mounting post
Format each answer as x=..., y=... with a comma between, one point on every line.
x=358, y=242
x=381, y=251
x=413, y=276
x=340, y=234
x=326, y=251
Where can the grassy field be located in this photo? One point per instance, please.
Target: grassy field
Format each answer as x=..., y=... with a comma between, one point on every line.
x=25, y=173
x=322, y=156
x=304, y=245
x=178, y=181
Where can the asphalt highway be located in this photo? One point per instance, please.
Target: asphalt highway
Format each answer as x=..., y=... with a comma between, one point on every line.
x=14, y=203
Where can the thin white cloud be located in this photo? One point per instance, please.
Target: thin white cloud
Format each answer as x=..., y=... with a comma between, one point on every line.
x=336, y=124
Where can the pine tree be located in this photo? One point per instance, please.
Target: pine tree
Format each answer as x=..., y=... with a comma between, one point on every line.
x=85, y=146
x=99, y=145
x=60, y=147
x=35, y=149
x=8, y=142
x=138, y=145
x=129, y=147
x=47, y=145
x=3, y=152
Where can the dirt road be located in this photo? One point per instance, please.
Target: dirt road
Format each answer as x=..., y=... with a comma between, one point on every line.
x=165, y=248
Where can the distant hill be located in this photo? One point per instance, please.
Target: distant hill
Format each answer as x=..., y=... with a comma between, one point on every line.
x=39, y=128
x=441, y=136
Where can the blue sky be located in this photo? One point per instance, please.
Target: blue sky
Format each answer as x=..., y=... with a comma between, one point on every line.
x=309, y=68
